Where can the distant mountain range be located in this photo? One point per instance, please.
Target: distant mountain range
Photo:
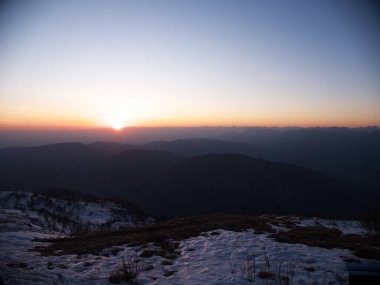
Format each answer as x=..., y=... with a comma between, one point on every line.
x=352, y=155
x=349, y=154
x=187, y=177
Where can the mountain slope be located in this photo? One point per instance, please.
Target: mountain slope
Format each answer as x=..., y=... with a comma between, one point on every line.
x=352, y=155
x=240, y=184
x=139, y=160
x=59, y=165
x=129, y=173
x=194, y=147
x=166, y=183
x=110, y=148
x=87, y=168
x=64, y=211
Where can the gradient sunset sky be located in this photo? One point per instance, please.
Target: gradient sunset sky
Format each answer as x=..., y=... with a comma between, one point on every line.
x=189, y=63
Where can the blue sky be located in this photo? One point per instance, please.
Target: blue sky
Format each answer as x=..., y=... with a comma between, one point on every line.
x=92, y=63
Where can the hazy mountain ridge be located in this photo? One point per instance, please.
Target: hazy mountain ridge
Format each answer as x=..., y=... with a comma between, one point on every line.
x=349, y=154
x=198, y=146
x=352, y=155
x=145, y=174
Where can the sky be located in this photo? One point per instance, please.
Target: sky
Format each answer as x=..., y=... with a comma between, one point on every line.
x=88, y=64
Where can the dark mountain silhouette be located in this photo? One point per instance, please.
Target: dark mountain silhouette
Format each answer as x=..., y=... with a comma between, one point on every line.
x=65, y=153
x=81, y=167
x=60, y=165
x=347, y=154
x=167, y=183
x=240, y=184
x=140, y=160
x=129, y=173
x=110, y=148
x=351, y=155
x=253, y=135
x=194, y=147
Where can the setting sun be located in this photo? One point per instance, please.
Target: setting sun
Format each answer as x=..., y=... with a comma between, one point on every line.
x=117, y=125
x=117, y=122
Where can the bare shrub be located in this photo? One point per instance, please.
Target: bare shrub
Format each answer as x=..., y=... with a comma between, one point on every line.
x=128, y=271
x=248, y=267
x=371, y=221
x=232, y=268
x=267, y=262
x=281, y=272
x=94, y=275
x=340, y=278
x=289, y=272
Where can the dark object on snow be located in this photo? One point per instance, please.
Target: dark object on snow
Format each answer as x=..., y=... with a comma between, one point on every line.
x=369, y=252
x=363, y=273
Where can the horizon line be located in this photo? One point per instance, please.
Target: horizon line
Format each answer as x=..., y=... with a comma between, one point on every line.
x=94, y=128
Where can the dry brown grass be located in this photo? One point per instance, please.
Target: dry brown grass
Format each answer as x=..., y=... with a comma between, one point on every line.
x=159, y=234
x=165, y=235
x=320, y=236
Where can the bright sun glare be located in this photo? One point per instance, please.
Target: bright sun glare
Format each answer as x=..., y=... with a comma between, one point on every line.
x=117, y=122
x=117, y=125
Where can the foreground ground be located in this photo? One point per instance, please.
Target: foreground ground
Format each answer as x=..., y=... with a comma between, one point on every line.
x=216, y=249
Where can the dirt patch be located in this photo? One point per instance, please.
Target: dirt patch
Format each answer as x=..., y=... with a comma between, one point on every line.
x=17, y=265
x=266, y=275
x=309, y=268
x=169, y=273
x=166, y=262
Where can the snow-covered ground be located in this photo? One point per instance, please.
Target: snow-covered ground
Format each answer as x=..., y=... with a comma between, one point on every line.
x=31, y=211
x=218, y=257
x=346, y=227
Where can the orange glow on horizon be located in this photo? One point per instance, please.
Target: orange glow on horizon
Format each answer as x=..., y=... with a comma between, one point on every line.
x=119, y=126
x=120, y=121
